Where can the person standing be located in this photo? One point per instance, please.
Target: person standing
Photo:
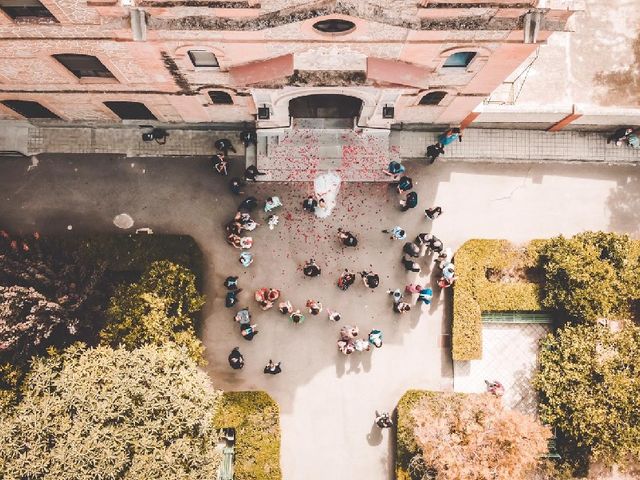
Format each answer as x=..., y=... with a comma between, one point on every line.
x=450, y=136
x=375, y=338
x=347, y=238
x=309, y=204
x=224, y=145
x=404, y=184
x=235, y=185
x=249, y=331
x=272, y=368
x=425, y=295
x=333, y=316
x=433, y=212
x=397, y=233
x=383, y=420
x=314, y=306
x=433, y=152
x=236, y=360
x=410, y=201
x=251, y=173
x=311, y=269
x=220, y=164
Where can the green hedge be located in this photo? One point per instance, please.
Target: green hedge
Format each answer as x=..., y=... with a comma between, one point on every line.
x=256, y=418
x=474, y=293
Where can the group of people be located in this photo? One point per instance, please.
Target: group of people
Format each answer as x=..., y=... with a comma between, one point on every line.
x=625, y=136
x=349, y=341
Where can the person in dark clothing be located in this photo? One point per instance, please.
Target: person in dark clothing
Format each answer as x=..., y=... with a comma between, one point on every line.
x=249, y=137
x=410, y=265
x=309, y=204
x=620, y=136
x=224, y=145
x=236, y=360
x=236, y=184
x=404, y=184
x=433, y=213
x=383, y=420
x=252, y=172
x=411, y=249
x=311, y=269
x=410, y=201
x=434, y=151
x=232, y=298
x=220, y=164
x=347, y=238
x=370, y=279
x=272, y=368
x=248, y=331
x=248, y=204
x=231, y=283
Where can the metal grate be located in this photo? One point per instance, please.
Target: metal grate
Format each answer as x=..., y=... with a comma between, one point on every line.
x=517, y=317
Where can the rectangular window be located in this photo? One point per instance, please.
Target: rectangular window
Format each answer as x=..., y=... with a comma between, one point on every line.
x=202, y=58
x=83, y=66
x=23, y=9
x=131, y=110
x=460, y=59
x=29, y=109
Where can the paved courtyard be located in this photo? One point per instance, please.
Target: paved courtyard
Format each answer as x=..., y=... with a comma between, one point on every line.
x=327, y=400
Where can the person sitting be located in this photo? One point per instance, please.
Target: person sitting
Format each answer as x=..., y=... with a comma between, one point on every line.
x=271, y=204
x=347, y=238
x=620, y=136
x=370, y=279
x=252, y=172
x=311, y=269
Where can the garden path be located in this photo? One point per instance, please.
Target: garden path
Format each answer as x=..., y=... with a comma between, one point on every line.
x=327, y=400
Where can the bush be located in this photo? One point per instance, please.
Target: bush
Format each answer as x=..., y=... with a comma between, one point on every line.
x=112, y=414
x=161, y=307
x=591, y=275
x=474, y=292
x=256, y=418
x=456, y=435
x=589, y=384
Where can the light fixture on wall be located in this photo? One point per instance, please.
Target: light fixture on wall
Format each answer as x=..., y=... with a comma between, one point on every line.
x=264, y=113
x=388, y=111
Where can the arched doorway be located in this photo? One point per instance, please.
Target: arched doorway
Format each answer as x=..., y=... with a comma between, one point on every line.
x=325, y=106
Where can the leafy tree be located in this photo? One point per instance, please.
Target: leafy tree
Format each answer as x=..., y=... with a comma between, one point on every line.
x=45, y=299
x=590, y=276
x=473, y=437
x=161, y=307
x=112, y=414
x=589, y=384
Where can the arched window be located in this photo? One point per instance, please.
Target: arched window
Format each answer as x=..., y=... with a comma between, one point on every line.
x=459, y=59
x=83, y=66
x=29, y=109
x=432, y=98
x=221, y=98
x=130, y=110
x=203, y=58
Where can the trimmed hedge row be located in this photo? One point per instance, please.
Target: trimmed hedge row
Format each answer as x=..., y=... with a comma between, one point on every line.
x=406, y=446
x=256, y=418
x=474, y=293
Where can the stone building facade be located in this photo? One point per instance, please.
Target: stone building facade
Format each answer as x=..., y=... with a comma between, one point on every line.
x=203, y=61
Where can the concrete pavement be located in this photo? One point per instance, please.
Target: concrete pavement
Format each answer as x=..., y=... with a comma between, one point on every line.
x=327, y=400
